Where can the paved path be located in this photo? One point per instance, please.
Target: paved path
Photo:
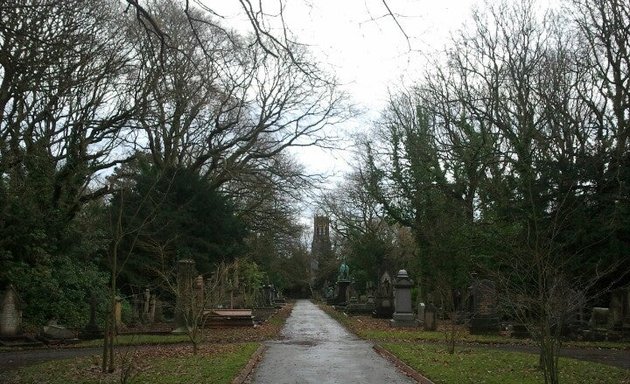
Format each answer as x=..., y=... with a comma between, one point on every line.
x=314, y=348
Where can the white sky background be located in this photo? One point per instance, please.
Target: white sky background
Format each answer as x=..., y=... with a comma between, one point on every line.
x=369, y=54
x=365, y=49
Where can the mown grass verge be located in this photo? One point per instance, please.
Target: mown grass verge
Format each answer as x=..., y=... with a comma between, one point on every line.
x=160, y=359
x=475, y=365
x=173, y=364
x=426, y=353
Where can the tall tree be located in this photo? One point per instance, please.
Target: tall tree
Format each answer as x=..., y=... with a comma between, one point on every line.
x=65, y=111
x=221, y=105
x=174, y=214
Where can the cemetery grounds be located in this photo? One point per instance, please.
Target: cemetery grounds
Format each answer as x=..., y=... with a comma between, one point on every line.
x=486, y=359
x=158, y=359
x=226, y=351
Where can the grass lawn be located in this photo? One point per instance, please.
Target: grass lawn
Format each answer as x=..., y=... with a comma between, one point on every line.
x=172, y=364
x=221, y=356
x=474, y=365
x=426, y=353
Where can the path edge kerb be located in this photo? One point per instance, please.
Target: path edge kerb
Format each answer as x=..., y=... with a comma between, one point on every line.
x=401, y=365
x=249, y=367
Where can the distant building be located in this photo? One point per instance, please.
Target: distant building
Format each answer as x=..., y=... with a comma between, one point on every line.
x=321, y=246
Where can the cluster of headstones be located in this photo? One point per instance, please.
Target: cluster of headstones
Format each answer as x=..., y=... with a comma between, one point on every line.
x=393, y=300
x=613, y=321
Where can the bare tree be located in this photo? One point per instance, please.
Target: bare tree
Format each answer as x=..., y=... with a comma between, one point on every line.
x=218, y=103
x=64, y=103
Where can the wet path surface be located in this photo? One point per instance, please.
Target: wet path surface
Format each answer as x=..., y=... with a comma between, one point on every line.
x=314, y=348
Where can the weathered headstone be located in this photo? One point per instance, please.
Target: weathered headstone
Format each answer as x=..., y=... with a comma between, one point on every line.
x=384, y=300
x=599, y=325
x=158, y=310
x=342, y=292
x=57, y=332
x=430, y=317
x=10, y=313
x=199, y=291
x=118, y=314
x=91, y=331
x=136, y=309
x=599, y=318
x=420, y=312
x=268, y=296
x=152, y=305
x=484, y=300
x=146, y=306
x=620, y=308
x=403, y=313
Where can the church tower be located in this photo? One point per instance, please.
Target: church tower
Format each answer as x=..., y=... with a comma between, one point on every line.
x=321, y=246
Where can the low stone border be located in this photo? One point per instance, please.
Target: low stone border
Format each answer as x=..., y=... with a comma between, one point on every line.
x=243, y=375
x=401, y=365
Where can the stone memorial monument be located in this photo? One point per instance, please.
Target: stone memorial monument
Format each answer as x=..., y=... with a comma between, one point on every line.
x=403, y=313
x=343, y=282
x=384, y=300
x=91, y=331
x=483, y=307
x=10, y=313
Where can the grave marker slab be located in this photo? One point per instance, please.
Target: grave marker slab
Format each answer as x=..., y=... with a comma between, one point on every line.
x=403, y=314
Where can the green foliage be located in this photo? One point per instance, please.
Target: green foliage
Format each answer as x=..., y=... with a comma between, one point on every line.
x=53, y=263
x=58, y=290
x=171, y=215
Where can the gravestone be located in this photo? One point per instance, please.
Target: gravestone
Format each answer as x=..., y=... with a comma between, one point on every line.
x=118, y=314
x=484, y=316
x=91, y=331
x=267, y=295
x=53, y=331
x=330, y=293
x=430, y=317
x=199, y=295
x=342, y=293
x=228, y=318
x=384, y=300
x=619, y=316
x=360, y=306
x=136, y=309
x=342, y=287
x=152, y=309
x=158, y=310
x=10, y=313
x=599, y=318
x=600, y=325
x=146, y=306
x=420, y=312
x=403, y=313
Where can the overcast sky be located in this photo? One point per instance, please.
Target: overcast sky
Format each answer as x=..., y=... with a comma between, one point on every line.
x=368, y=52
